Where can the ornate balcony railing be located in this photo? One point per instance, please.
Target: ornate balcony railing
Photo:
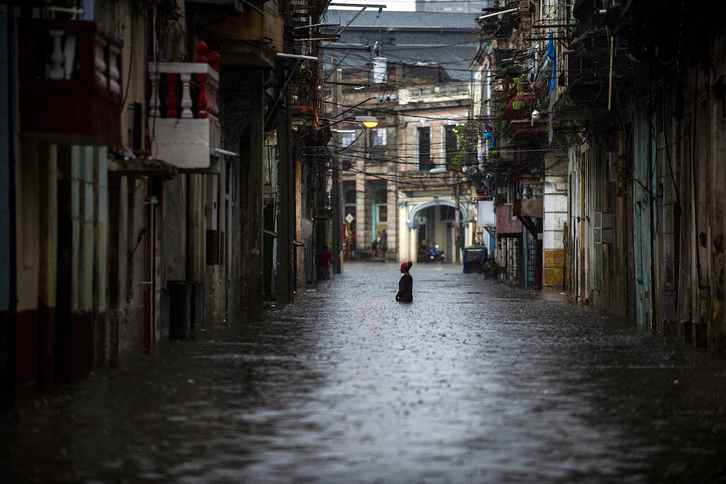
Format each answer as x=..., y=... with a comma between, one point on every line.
x=184, y=111
x=418, y=180
x=70, y=81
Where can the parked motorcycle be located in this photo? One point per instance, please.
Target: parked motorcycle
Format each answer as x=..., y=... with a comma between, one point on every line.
x=435, y=255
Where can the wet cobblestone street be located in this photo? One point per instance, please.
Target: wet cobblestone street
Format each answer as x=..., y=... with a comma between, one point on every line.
x=474, y=381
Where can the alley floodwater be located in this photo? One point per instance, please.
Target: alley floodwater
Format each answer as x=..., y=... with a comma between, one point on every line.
x=475, y=381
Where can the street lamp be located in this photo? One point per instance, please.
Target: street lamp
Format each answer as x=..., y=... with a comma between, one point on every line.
x=367, y=121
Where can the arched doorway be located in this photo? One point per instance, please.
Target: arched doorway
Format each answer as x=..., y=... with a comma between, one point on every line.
x=434, y=226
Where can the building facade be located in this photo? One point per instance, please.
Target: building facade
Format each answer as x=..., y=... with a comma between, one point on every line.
x=405, y=175
x=153, y=173
x=410, y=72
x=628, y=98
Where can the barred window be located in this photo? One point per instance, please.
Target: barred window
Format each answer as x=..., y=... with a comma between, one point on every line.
x=347, y=138
x=378, y=137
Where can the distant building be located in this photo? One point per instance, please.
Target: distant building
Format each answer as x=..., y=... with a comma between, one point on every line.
x=446, y=39
x=410, y=70
x=452, y=6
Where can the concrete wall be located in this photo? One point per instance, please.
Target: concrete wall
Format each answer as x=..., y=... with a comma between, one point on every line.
x=555, y=219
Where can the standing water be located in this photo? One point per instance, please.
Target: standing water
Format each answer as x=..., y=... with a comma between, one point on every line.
x=474, y=381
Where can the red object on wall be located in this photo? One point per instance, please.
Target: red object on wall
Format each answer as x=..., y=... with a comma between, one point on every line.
x=201, y=49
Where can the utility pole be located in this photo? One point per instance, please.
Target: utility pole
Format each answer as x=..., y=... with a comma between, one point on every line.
x=457, y=220
x=286, y=209
x=363, y=241
x=336, y=195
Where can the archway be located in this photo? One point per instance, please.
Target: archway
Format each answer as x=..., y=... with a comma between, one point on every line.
x=432, y=225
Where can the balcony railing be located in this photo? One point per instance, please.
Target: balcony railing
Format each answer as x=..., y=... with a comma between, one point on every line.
x=417, y=180
x=70, y=81
x=306, y=100
x=184, y=110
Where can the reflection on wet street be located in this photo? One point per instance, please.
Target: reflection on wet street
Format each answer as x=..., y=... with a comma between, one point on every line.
x=473, y=382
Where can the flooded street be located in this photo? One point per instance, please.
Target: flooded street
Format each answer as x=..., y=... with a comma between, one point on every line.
x=472, y=382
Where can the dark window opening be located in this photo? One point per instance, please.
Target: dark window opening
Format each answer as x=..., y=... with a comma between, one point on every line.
x=451, y=147
x=425, y=160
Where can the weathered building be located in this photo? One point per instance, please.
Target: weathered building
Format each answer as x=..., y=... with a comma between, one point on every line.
x=392, y=74
x=631, y=97
x=387, y=179
x=507, y=76
x=153, y=172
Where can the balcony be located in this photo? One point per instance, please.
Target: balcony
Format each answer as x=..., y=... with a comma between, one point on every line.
x=305, y=95
x=70, y=82
x=414, y=180
x=523, y=131
x=519, y=102
x=184, y=122
x=249, y=38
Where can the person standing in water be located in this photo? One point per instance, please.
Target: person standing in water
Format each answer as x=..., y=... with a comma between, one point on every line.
x=405, y=285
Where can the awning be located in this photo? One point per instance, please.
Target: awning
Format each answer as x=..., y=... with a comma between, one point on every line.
x=141, y=167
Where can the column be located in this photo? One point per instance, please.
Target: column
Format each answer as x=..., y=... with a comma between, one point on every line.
x=255, y=197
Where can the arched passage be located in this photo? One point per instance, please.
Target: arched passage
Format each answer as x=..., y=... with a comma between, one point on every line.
x=411, y=222
x=431, y=225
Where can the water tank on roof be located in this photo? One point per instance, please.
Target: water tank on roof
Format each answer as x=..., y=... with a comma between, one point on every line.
x=379, y=70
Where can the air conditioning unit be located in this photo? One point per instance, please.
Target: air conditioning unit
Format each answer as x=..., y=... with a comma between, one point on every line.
x=603, y=228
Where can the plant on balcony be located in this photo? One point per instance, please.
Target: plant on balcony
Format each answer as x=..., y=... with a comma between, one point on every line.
x=466, y=136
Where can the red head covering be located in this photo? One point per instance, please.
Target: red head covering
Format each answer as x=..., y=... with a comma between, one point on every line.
x=406, y=266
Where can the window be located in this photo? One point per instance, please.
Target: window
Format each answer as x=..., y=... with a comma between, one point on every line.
x=378, y=137
x=382, y=212
x=448, y=213
x=425, y=161
x=380, y=209
x=347, y=137
x=450, y=145
x=380, y=196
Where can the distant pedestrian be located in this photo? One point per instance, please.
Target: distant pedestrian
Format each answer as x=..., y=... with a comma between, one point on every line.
x=375, y=247
x=324, y=260
x=383, y=242
x=405, y=285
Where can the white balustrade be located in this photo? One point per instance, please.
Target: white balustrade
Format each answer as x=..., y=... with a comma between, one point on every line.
x=100, y=62
x=186, y=102
x=190, y=74
x=114, y=81
x=154, y=102
x=57, y=57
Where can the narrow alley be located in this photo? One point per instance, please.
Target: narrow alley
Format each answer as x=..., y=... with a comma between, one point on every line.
x=475, y=381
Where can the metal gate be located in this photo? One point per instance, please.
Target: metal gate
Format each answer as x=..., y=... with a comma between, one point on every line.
x=531, y=258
